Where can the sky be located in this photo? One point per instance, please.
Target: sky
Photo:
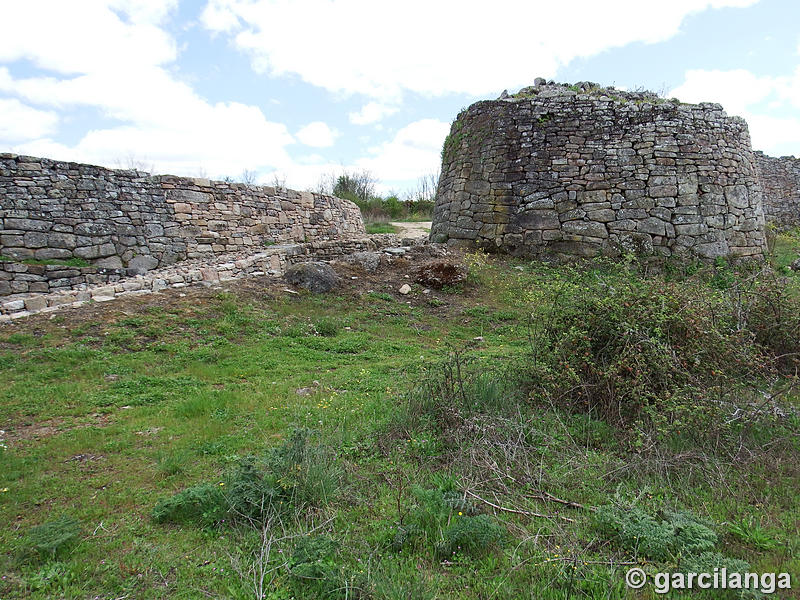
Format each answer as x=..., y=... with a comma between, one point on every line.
x=297, y=90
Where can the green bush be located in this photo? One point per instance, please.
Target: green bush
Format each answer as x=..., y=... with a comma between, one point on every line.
x=675, y=535
x=203, y=504
x=326, y=326
x=52, y=539
x=294, y=475
x=470, y=535
x=622, y=348
x=708, y=561
x=313, y=568
x=441, y=521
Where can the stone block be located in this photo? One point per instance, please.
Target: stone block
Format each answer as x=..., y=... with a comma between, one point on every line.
x=52, y=253
x=602, y=215
x=35, y=303
x=142, y=263
x=13, y=305
x=27, y=224
x=736, y=195
x=61, y=240
x=111, y=262
x=652, y=225
x=585, y=228
x=539, y=219
x=662, y=191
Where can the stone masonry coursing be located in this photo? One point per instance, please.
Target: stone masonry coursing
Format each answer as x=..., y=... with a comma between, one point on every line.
x=128, y=219
x=111, y=283
x=583, y=170
x=780, y=178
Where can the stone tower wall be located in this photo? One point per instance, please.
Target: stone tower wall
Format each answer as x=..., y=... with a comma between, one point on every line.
x=583, y=171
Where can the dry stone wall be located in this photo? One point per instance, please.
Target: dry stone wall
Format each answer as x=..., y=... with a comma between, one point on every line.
x=128, y=219
x=780, y=178
x=102, y=285
x=582, y=170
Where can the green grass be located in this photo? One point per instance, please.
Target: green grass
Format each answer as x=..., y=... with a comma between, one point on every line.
x=70, y=262
x=379, y=227
x=428, y=415
x=786, y=250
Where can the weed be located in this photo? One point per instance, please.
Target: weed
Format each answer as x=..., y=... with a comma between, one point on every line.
x=675, y=535
x=313, y=568
x=52, y=539
x=752, y=534
x=296, y=474
x=440, y=522
x=203, y=504
x=326, y=326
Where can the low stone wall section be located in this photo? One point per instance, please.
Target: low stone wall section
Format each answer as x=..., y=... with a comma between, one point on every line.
x=19, y=278
x=122, y=218
x=271, y=261
x=780, y=178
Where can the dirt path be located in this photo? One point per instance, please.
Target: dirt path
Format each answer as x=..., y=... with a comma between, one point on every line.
x=408, y=229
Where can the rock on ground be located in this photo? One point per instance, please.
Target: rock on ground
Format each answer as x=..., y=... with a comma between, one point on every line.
x=316, y=277
x=439, y=273
x=369, y=261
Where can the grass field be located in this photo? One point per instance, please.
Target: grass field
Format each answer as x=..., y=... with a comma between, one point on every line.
x=532, y=434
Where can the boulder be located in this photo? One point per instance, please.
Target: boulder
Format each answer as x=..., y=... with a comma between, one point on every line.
x=316, y=277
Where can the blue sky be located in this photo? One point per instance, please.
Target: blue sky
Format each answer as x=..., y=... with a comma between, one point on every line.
x=299, y=89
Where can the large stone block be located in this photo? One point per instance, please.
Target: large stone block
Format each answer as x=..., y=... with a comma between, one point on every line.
x=737, y=196
x=539, y=219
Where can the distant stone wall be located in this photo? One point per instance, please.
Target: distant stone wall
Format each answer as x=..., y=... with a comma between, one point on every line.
x=582, y=170
x=780, y=178
x=118, y=218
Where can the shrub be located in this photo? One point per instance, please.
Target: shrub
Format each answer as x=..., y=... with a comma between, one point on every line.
x=313, y=568
x=675, y=535
x=470, y=535
x=326, y=326
x=52, y=539
x=295, y=474
x=203, y=504
x=440, y=521
x=612, y=344
x=707, y=562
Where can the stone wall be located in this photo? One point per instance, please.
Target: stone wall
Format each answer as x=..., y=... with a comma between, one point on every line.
x=18, y=278
x=780, y=178
x=117, y=218
x=582, y=170
x=78, y=286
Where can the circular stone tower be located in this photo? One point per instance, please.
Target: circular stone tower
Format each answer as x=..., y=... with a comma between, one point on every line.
x=580, y=170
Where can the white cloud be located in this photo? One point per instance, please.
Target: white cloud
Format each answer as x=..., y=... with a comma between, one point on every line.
x=437, y=47
x=114, y=56
x=20, y=122
x=318, y=135
x=372, y=112
x=87, y=36
x=735, y=90
x=414, y=151
x=768, y=104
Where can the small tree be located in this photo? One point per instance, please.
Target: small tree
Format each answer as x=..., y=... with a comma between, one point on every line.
x=356, y=186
